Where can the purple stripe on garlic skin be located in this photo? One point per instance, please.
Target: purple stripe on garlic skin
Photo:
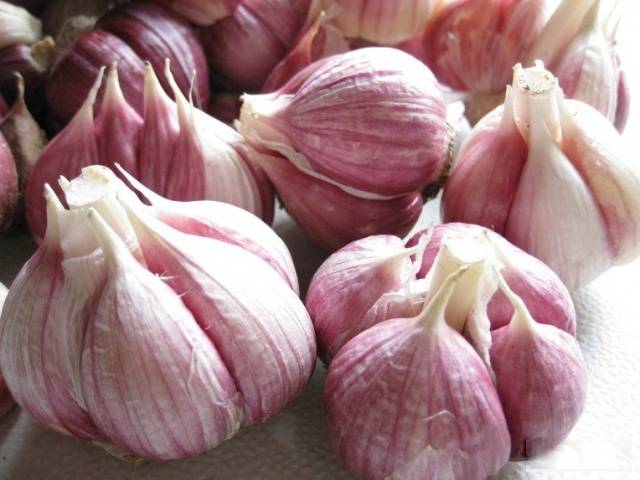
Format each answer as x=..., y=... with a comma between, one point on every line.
x=373, y=120
x=409, y=398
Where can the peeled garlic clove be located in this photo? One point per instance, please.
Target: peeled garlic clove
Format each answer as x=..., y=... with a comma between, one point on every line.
x=541, y=379
x=117, y=127
x=333, y=217
x=17, y=25
x=129, y=381
x=472, y=45
x=75, y=147
x=8, y=185
x=236, y=316
x=244, y=48
x=6, y=400
x=380, y=21
x=409, y=398
x=327, y=124
x=319, y=40
x=349, y=283
x=199, y=12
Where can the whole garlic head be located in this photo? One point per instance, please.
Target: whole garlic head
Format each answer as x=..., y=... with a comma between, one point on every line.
x=162, y=340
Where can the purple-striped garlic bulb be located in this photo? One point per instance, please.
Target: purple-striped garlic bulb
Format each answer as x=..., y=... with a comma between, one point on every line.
x=129, y=35
x=410, y=391
x=360, y=134
x=578, y=45
x=175, y=149
x=127, y=331
x=378, y=278
x=203, y=13
x=6, y=400
x=380, y=21
x=552, y=176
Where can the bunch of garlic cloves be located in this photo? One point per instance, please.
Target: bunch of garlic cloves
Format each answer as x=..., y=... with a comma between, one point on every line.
x=417, y=335
x=137, y=325
x=551, y=175
x=355, y=138
x=173, y=148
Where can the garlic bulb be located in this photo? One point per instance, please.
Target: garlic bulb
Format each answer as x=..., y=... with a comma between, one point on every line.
x=202, y=13
x=129, y=35
x=376, y=278
x=548, y=157
x=410, y=398
x=244, y=48
x=6, y=400
x=175, y=149
x=17, y=25
x=578, y=46
x=147, y=323
x=322, y=122
x=380, y=21
x=528, y=357
x=8, y=185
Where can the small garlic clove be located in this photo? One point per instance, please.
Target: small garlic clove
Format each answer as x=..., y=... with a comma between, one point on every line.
x=129, y=380
x=541, y=379
x=6, y=400
x=8, y=185
x=333, y=217
x=235, y=315
x=409, y=398
x=117, y=127
x=202, y=13
x=349, y=283
x=327, y=124
x=17, y=25
x=75, y=147
x=379, y=21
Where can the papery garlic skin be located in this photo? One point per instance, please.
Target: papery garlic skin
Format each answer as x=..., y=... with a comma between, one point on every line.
x=573, y=171
x=143, y=323
x=17, y=25
x=380, y=21
x=6, y=400
x=541, y=379
x=202, y=13
x=8, y=185
x=409, y=398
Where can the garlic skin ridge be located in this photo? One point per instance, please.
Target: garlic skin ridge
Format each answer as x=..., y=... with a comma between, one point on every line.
x=110, y=252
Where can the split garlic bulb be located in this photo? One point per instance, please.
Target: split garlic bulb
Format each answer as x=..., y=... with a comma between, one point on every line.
x=161, y=340
x=551, y=175
x=175, y=149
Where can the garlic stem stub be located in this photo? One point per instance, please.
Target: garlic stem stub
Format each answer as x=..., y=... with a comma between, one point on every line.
x=548, y=157
x=152, y=339
x=413, y=333
x=175, y=149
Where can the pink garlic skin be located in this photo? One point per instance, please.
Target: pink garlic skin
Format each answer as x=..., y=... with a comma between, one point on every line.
x=128, y=35
x=6, y=400
x=349, y=283
x=541, y=379
x=472, y=45
x=396, y=410
x=330, y=119
x=332, y=217
x=244, y=48
x=8, y=185
x=624, y=102
x=544, y=294
x=199, y=12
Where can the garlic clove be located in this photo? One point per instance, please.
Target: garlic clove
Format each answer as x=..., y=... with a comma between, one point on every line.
x=75, y=147
x=322, y=126
x=379, y=21
x=409, y=398
x=129, y=375
x=202, y=13
x=6, y=400
x=624, y=102
x=348, y=285
x=8, y=185
x=235, y=315
x=117, y=126
x=541, y=379
x=17, y=25
x=333, y=217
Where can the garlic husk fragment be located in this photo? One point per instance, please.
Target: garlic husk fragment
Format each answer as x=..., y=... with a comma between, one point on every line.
x=199, y=12
x=380, y=21
x=147, y=338
x=541, y=379
x=6, y=400
x=544, y=294
x=17, y=25
x=409, y=398
x=326, y=126
x=575, y=204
